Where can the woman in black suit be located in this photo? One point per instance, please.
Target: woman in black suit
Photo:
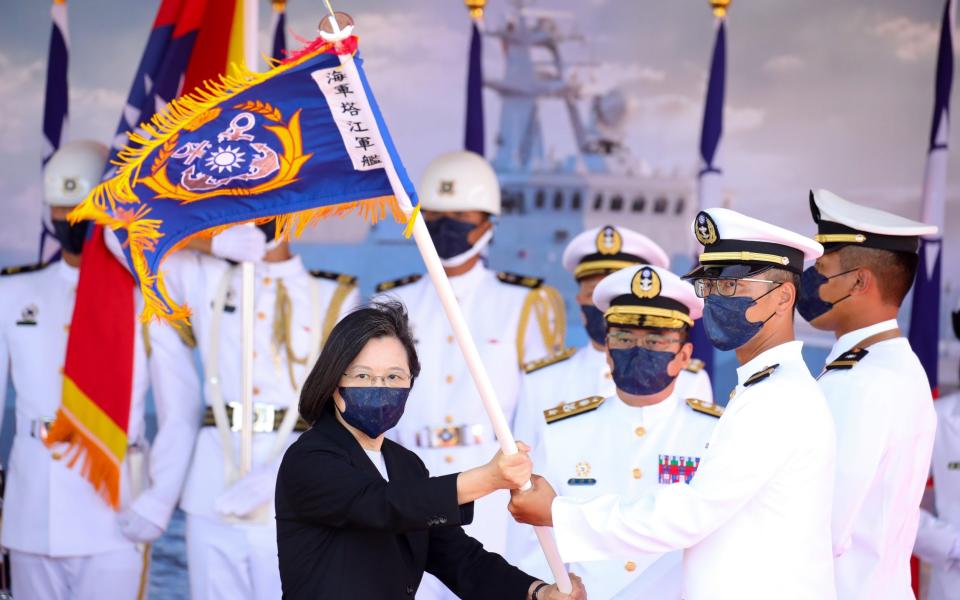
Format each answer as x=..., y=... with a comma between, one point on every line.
x=359, y=516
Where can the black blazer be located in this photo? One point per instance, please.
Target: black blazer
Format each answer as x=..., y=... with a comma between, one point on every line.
x=344, y=532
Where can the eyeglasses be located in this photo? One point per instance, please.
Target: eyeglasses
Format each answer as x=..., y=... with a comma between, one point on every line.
x=619, y=340
x=722, y=287
x=364, y=378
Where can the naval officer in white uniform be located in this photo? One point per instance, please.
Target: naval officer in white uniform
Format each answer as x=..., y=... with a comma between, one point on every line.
x=582, y=372
x=754, y=522
x=938, y=539
x=645, y=435
x=513, y=319
x=65, y=541
x=231, y=531
x=876, y=389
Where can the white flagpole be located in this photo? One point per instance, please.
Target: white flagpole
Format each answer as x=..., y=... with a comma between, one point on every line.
x=458, y=323
x=251, y=57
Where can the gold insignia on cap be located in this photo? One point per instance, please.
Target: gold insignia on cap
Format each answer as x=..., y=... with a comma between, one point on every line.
x=609, y=240
x=645, y=284
x=706, y=229
x=447, y=187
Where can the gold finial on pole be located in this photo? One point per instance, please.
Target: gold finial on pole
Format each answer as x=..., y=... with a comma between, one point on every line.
x=279, y=5
x=720, y=7
x=475, y=8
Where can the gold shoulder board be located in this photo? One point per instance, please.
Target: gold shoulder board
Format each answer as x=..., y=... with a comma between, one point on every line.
x=572, y=409
x=522, y=280
x=386, y=286
x=707, y=408
x=536, y=365
x=338, y=277
x=848, y=360
x=22, y=269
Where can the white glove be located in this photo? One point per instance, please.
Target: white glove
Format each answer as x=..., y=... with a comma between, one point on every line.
x=249, y=493
x=137, y=528
x=240, y=243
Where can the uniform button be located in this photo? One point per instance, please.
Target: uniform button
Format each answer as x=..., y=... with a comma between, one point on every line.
x=640, y=431
x=66, y=327
x=266, y=281
x=254, y=353
x=630, y=566
x=448, y=419
x=256, y=391
x=261, y=315
x=449, y=378
x=637, y=473
x=448, y=458
x=450, y=339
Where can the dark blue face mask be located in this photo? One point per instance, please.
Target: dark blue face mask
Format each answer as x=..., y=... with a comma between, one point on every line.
x=725, y=320
x=71, y=237
x=641, y=372
x=450, y=236
x=596, y=324
x=373, y=410
x=809, y=303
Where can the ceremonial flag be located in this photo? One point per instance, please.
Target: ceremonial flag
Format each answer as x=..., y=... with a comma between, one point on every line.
x=710, y=176
x=473, y=139
x=98, y=371
x=279, y=49
x=925, y=309
x=300, y=142
x=56, y=99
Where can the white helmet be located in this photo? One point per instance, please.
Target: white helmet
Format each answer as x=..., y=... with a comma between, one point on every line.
x=460, y=181
x=73, y=171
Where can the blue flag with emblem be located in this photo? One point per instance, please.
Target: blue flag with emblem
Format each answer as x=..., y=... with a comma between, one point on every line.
x=925, y=309
x=709, y=178
x=298, y=143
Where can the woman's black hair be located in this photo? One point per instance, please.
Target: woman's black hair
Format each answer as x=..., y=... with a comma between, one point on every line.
x=345, y=342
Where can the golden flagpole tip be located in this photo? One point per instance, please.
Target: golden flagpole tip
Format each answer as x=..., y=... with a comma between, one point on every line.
x=475, y=8
x=720, y=7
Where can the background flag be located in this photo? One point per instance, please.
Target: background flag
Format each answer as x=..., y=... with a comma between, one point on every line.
x=279, y=37
x=710, y=176
x=56, y=100
x=98, y=371
x=298, y=143
x=473, y=138
x=925, y=309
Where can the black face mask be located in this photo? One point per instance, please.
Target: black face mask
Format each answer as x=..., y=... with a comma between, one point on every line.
x=269, y=229
x=71, y=237
x=450, y=235
x=809, y=303
x=595, y=323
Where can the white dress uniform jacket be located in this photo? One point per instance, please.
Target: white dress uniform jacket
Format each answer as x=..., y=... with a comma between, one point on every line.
x=52, y=510
x=755, y=519
x=618, y=449
x=444, y=421
x=198, y=279
x=885, y=421
x=939, y=531
x=585, y=373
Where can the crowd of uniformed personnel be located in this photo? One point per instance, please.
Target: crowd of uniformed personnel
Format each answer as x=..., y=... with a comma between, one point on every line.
x=804, y=486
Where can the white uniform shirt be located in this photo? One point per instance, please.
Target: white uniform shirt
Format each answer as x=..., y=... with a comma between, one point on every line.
x=940, y=526
x=586, y=373
x=196, y=279
x=755, y=520
x=885, y=424
x=625, y=450
x=53, y=510
x=444, y=394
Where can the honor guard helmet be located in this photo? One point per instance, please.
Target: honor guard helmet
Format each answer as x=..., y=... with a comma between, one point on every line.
x=73, y=171
x=460, y=181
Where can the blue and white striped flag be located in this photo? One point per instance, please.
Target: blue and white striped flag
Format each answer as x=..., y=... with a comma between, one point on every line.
x=925, y=311
x=710, y=177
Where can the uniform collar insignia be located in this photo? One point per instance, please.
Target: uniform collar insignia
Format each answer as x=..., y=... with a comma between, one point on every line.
x=760, y=375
